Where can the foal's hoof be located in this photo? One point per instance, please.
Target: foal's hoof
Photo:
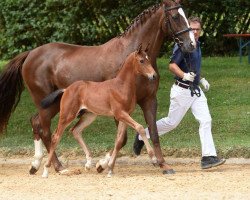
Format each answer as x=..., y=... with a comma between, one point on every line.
x=99, y=168
x=32, y=170
x=101, y=165
x=169, y=171
x=110, y=174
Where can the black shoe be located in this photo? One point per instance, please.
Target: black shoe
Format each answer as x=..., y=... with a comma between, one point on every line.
x=211, y=161
x=138, y=144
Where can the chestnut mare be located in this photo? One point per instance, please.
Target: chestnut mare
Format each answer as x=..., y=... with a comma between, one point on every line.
x=114, y=98
x=57, y=65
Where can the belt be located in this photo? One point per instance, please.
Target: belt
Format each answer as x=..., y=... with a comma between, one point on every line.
x=181, y=84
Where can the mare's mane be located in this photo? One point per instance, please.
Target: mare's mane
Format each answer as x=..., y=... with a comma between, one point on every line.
x=141, y=18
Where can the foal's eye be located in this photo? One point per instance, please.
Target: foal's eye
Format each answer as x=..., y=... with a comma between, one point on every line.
x=141, y=61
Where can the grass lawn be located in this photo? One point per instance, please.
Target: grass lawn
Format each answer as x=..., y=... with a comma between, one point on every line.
x=228, y=99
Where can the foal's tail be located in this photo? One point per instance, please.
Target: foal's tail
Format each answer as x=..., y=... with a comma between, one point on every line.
x=52, y=98
x=11, y=87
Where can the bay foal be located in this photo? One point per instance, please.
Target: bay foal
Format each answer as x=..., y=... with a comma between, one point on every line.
x=115, y=98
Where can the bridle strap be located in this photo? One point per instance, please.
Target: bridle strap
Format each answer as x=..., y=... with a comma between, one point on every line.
x=172, y=7
x=183, y=31
x=175, y=35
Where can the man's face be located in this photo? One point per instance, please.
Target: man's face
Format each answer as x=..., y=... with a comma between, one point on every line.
x=196, y=27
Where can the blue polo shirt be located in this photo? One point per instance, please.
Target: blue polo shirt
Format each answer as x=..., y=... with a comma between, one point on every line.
x=187, y=62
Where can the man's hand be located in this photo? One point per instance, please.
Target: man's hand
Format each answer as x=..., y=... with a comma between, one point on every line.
x=189, y=76
x=205, y=84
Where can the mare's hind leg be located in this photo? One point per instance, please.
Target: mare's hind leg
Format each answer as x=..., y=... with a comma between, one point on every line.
x=36, y=128
x=85, y=121
x=42, y=133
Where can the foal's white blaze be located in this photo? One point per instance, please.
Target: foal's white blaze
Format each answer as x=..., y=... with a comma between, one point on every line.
x=38, y=154
x=191, y=34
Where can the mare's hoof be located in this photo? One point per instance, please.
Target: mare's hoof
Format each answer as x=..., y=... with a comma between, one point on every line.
x=33, y=170
x=170, y=171
x=60, y=168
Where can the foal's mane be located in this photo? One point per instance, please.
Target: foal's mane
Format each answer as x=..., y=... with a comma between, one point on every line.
x=141, y=18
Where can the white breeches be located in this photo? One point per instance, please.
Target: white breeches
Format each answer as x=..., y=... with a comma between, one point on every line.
x=180, y=102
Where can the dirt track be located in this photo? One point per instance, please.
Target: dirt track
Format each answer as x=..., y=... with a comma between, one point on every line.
x=134, y=178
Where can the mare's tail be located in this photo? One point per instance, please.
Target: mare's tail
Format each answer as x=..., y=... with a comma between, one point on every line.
x=52, y=98
x=11, y=87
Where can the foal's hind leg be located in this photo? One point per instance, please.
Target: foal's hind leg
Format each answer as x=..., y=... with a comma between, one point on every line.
x=85, y=121
x=118, y=145
x=103, y=163
x=55, y=140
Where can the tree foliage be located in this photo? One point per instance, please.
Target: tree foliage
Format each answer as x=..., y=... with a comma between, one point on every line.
x=26, y=24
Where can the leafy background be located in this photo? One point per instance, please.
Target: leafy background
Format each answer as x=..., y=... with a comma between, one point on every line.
x=26, y=24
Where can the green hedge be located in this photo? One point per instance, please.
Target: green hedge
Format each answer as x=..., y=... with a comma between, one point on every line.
x=26, y=24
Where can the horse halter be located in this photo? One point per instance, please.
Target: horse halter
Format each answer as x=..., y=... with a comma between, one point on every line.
x=174, y=35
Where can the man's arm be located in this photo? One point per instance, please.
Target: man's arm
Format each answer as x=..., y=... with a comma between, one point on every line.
x=175, y=69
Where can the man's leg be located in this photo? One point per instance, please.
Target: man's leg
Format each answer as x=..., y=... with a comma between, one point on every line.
x=180, y=102
x=201, y=112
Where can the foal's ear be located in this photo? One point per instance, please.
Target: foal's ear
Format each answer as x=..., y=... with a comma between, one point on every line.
x=139, y=48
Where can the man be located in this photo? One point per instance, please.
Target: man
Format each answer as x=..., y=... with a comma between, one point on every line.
x=186, y=68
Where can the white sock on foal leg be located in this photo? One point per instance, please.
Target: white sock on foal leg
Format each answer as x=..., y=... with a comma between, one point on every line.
x=88, y=164
x=45, y=172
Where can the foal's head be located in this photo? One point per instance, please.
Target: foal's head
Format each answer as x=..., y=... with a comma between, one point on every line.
x=142, y=64
x=177, y=25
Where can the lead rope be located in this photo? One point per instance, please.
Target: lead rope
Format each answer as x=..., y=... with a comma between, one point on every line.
x=195, y=89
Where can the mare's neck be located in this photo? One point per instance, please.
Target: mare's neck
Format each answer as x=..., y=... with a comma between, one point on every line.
x=148, y=31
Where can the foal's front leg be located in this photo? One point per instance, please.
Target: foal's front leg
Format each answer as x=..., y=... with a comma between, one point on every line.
x=139, y=128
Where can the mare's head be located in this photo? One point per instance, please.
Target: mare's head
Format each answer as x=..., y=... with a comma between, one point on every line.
x=177, y=26
x=142, y=64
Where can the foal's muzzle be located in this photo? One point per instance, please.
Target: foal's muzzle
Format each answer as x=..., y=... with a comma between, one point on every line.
x=152, y=77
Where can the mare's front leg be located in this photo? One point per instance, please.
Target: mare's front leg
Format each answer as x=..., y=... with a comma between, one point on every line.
x=149, y=108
